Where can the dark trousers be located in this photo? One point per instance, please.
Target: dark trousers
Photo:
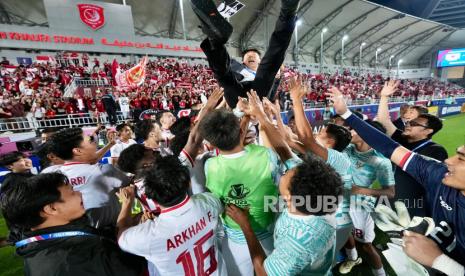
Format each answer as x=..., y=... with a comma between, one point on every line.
x=220, y=63
x=112, y=116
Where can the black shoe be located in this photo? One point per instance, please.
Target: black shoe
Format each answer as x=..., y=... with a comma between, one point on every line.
x=213, y=23
x=289, y=7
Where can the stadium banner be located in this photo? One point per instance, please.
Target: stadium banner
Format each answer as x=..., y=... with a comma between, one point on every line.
x=447, y=110
x=433, y=110
x=463, y=108
x=40, y=38
x=93, y=27
x=24, y=60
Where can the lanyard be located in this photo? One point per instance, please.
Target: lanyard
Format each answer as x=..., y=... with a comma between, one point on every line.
x=51, y=236
x=417, y=148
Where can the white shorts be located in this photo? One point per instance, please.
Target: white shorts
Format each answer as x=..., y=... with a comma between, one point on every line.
x=342, y=235
x=364, y=226
x=237, y=256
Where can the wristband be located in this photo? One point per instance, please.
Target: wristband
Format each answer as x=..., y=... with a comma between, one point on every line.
x=448, y=266
x=346, y=114
x=293, y=162
x=238, y=113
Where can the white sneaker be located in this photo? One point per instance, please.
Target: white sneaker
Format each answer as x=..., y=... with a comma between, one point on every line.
x=347, y=266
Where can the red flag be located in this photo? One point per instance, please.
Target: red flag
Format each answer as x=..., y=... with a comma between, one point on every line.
x=114, y=70
x=133, y=77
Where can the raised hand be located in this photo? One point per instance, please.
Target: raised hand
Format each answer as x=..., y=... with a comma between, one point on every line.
x=215, y=97
x=297, y=88
x=242, y=104
x=126, y=195
x=275, y=109
x=390, y=87
x=255, y=105
x=336, y=97
x=111, y=136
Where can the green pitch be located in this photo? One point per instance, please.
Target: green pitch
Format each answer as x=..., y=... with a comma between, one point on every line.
x=451, y=136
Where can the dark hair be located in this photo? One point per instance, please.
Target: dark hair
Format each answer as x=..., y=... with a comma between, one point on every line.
x=433, y=122
x=13, y=178
x=251, y=50
x=376, y=125
x=221, y=128
x=9, y=158
x=420, y=109
x=65, y=140
x=22, y=202
x=314, y=179
x=48, y=130
x=43, y=151
x=143, y=129
x=335, y=116
x=181, y=125
x=340, y=134
x=179, y=142
x=120, y=127
x=129, y=158
x=167, y=182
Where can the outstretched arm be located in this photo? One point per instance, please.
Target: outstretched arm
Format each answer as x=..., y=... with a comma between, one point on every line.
x=274, y=137
x=195, y=140
x=383, y=109
x=111, y=137
x=373, y=137
x=291, y=139
x=255, y=248
x=304, y=129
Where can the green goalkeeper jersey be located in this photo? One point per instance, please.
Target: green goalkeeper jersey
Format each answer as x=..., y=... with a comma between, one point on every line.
x=247, y=180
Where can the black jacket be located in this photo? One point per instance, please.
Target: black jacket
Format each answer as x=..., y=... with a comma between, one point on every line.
x=109, y=102
x=408, y=189
x=78, y=255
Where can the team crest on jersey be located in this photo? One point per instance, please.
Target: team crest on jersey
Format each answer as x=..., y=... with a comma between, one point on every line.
x=238, y=191
x=359, y=164
x=91, y=15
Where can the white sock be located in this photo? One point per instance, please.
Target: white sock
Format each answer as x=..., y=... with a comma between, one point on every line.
x=351, y=254
x=379, y=272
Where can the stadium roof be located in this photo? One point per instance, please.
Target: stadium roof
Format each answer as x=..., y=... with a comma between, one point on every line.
x=411, y=38
x=451, y=12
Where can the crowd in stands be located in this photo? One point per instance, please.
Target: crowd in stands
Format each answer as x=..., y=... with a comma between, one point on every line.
x=171, y=193
x=232, y=190
x=36, y=91
x=367, y=87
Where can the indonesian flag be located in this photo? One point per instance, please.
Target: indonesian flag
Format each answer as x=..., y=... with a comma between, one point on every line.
x=45, y=59
x=133, y=77
x=9, y=68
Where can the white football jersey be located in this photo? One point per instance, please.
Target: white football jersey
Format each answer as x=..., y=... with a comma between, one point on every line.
x=95, y=182
x=183, y=240
x=148, y=204
x=116, y=150
x=198, y=179
x=51, y=169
